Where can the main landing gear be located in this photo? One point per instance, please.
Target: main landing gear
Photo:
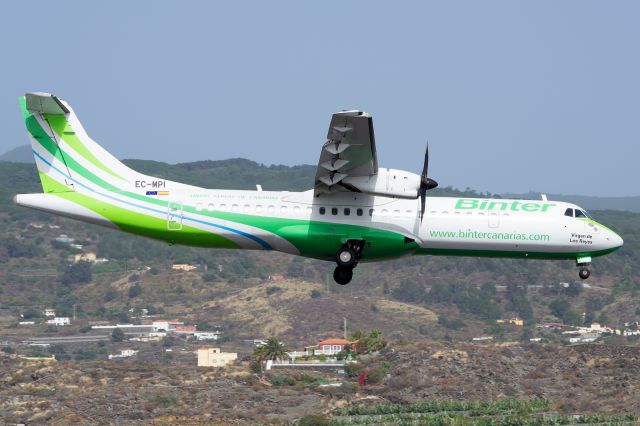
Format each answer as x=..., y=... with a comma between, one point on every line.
x=347, y=259
x=583, y=263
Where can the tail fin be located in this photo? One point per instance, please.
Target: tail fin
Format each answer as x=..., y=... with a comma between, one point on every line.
x=66, y=157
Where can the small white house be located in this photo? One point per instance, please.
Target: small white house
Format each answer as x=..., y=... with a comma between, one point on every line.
x=49, y=312
x=206, y=335
x=60, y=321
x=125, y=353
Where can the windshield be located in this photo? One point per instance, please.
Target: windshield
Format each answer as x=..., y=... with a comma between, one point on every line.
x=577, y=213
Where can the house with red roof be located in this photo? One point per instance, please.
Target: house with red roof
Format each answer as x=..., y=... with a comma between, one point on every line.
x=333, y=346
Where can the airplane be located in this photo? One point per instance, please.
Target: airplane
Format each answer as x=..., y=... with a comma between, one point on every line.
x=355, y=212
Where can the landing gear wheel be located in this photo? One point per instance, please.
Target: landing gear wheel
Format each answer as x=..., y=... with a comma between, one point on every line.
x=346, y=257
x=584, y=273
x=342, y=275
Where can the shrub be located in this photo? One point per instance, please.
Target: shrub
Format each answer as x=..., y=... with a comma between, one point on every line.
x=272, y=290
x=135, y=291
x=353, y=370
x=315, y=294
x=117, y=335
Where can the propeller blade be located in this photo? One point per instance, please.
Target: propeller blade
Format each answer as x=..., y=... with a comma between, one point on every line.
x=426, y=183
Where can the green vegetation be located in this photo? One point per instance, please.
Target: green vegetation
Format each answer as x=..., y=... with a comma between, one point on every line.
x=272, y=350
x=506, y=412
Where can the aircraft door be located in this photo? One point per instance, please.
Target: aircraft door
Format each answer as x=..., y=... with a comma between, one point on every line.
x=494, y=219
x=174, y=216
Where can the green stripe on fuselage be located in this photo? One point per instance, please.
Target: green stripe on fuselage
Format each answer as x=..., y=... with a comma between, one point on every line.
x=511, y=253
x=63, y=129
x=148, y=226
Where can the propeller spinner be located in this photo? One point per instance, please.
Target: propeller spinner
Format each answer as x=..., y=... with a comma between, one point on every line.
x=426, y=183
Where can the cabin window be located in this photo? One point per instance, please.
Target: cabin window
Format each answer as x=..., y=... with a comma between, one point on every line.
x=199, y=207
x=359, y=212
x=568, y=212
x=271, y=209
x=210, y=207
x=247, y=208
x=580, y=213
x=370, y=212
x=296, y=210
x=258, y=208
x=283, y=209
x=384, y=212
x=234, y=208
x=223, y=207
x=309, y=210
x=322, y=210
x=408, y=213
x=347, y=211
x=334, y=211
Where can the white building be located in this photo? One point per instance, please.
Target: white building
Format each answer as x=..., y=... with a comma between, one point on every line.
x=60, y=321
x=125, y=353
x=49, y=312
x=206, y=335
x=212, y=357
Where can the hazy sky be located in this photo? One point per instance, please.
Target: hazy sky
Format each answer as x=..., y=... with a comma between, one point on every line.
x=512, y=96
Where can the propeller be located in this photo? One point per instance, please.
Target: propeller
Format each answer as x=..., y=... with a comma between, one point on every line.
x=426, y=183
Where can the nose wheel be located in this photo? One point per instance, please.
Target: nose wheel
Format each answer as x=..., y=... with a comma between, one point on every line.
x=584, y=272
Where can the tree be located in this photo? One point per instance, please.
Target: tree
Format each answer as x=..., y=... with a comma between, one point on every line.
x=135, y=291
x=409, y=291
x=272, y=350
x=117, y=335
x=78, y=273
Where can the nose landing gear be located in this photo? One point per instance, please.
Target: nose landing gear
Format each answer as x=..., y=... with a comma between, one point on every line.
x=584, y=273
x=583, y=263
x=347, y=259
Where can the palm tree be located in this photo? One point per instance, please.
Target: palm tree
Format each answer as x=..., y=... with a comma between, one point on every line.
x=272, y=350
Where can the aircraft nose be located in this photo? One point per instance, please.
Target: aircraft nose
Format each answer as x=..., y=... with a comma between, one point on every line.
x=615, y=240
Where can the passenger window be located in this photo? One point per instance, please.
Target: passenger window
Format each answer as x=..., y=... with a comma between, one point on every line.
x=199, y=207
x=247, y=208
x=370, y=212
x=210, y=207
x=568, y=212
x=359, y=212
x=347, y=211
x=223, y=207
x=271, y=209
x=283, y=209
x=296, y=210
x=234, y=208
x=580, y=213
x=309, y=210
x=322, y=210
x=334, y=211
x=258, y=208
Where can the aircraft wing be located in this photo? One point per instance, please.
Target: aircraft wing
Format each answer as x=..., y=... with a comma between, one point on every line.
x=350, y=151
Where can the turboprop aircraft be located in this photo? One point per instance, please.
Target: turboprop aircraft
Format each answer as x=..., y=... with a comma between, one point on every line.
x=356, y=211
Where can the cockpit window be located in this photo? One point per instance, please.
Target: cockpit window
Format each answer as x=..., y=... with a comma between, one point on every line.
x=568, y=212
x=580, y=213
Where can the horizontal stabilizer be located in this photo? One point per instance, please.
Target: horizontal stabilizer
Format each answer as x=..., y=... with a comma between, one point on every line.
x=45, y=103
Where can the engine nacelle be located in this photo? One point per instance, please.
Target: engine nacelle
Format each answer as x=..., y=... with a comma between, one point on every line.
x=387, y=183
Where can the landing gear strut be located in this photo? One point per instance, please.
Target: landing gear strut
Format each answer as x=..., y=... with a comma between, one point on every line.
x=583, y=263
x=347, y=259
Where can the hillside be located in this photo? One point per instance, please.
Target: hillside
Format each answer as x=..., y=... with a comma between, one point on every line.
x=428, y=309
x=32, y=272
